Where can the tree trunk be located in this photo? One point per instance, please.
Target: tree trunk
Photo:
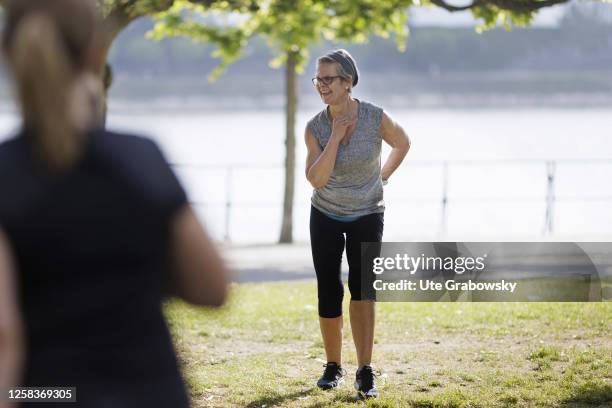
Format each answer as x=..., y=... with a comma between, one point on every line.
x=286, y=235
x=111, y=27
x=107, y=81
x=104, y=71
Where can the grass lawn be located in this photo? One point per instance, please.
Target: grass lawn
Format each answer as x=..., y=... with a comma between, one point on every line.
x=264, y=350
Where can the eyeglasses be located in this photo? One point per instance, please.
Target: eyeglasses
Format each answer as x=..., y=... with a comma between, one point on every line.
x=316, y=81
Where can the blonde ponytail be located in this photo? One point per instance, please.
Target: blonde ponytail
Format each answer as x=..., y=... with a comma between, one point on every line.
x=45, y=77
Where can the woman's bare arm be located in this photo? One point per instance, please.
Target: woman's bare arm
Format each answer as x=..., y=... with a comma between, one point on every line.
x=395, y=136
x=200, y=274
x=319, y=175
x=320, y=164
x=11, y=332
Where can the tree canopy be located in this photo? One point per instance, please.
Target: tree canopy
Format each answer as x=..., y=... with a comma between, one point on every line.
x=291, y=26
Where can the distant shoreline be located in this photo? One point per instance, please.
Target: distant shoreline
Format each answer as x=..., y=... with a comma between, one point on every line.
x=272, y=103
x=435, y=90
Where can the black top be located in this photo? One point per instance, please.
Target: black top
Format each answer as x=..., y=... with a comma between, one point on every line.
x=91, y=248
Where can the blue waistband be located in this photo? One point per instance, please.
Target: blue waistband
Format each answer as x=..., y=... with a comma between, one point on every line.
x=343, y=218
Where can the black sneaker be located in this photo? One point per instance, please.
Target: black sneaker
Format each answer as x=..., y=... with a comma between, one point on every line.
x=365, y=383
x=332, y=377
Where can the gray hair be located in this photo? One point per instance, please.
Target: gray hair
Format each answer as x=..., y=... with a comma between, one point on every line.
x=347, y=69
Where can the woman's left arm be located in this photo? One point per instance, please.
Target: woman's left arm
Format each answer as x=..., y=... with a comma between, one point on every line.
x=11, y=348
x=395, y=136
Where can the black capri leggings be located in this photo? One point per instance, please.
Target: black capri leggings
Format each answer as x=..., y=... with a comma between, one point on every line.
x=327, y=244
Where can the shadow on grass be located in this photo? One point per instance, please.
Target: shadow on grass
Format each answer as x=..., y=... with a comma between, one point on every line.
x=589, y=394
x=278, y=399
x=338, y=397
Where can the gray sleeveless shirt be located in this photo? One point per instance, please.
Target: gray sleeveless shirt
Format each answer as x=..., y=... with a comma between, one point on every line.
x=355, y=186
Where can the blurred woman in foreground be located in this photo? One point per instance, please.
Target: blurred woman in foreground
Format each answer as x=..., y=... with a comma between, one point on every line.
x=94, y=229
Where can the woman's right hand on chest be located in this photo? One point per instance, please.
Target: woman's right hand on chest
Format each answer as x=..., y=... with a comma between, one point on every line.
x=340, y=126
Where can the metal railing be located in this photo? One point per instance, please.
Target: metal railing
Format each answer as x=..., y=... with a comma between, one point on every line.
x=550, y=167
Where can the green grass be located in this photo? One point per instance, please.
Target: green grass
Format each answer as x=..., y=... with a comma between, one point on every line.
x=264, y=349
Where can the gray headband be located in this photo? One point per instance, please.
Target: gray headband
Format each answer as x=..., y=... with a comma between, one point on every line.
x=348, y=64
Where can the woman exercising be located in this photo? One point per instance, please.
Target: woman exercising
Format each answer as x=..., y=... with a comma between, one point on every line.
x=344, y=143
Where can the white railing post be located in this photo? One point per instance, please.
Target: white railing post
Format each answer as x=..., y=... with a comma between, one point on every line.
x=443, y=220
x=228, y=202
x=550, y=196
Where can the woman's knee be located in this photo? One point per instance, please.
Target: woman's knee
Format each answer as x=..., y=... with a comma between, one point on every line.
x=330, y=301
